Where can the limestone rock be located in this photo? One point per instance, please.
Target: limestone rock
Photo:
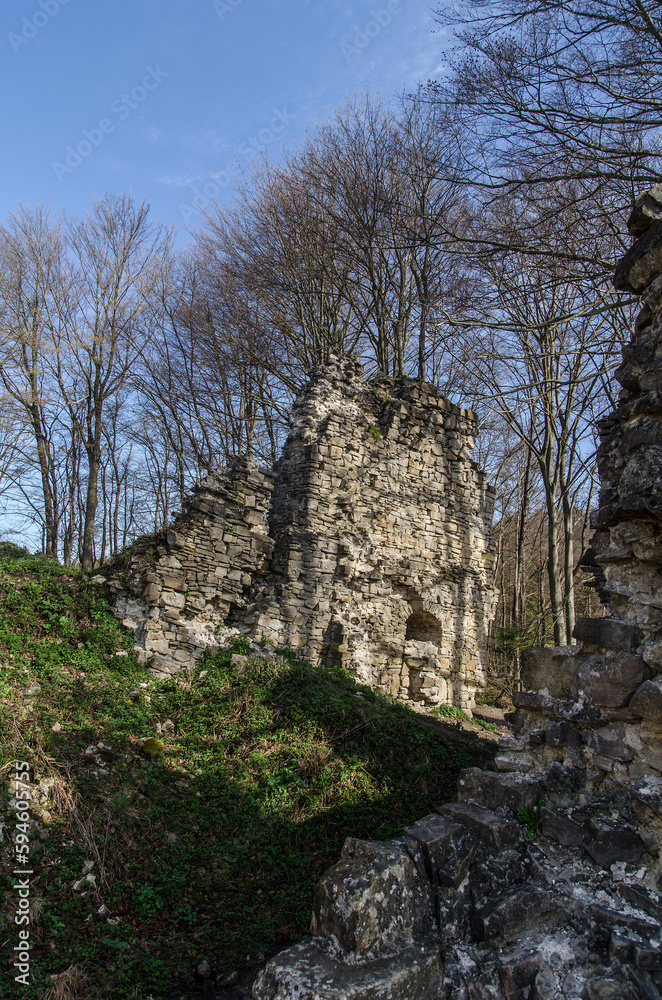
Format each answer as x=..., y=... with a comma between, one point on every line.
x=306, y=972
x=373, y=901
x=495, y=791
x=552, y=670
x=611, y=679
x=647, y=701
x=608, y=632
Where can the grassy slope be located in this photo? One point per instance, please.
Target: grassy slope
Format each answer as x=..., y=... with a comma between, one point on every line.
x=210, y=850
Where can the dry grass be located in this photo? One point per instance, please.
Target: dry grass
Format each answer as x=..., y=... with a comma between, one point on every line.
x=68, y=985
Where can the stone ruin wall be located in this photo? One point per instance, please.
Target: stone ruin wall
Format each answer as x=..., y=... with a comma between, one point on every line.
x=466, y=905
x=372, y=552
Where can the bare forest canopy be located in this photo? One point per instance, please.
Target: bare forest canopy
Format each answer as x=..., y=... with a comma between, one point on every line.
x=464, y=235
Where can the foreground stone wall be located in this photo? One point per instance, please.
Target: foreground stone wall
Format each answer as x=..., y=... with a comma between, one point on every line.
x=566, y=903
x=376, y=554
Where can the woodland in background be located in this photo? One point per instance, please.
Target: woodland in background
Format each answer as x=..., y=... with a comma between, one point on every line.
x=465, y=236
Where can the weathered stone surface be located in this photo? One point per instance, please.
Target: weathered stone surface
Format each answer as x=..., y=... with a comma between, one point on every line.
x=561, y=828
x=608, y=741
x=646, y=212
x=609, y=841
x=373, y=901
x=518, y=913
x=553, y=670
x=562, y=734
x=647, y=701
x=609, y=633
x=307, y=972
x=642, y=263
x=610, y=680
x=499, y=791
x=490, y=827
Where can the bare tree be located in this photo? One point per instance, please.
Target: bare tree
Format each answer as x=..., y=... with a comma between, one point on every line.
x=117, y=256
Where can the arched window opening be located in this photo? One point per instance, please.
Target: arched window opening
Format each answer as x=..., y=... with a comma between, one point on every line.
x=423, y=627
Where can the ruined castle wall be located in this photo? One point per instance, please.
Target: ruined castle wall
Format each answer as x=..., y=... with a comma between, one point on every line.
x=381, y=523
x=592, y=713
x=178, y=589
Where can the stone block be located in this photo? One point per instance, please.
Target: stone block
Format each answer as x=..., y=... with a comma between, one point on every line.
x=561, y=828
x=447, y=848
x=496, y=831
x=519, y=914
x=495, y=790
x=647, y=957
x=309, y=972
x=646, y=212
x=610, y=680
x=642, y=263
x=608, y=742
x=175, y=539
x=562, y=734
x=552, y=670
x=609, y=841
x=647, y=701
x=373, y=902
x=563, y=778
x=151, y=593
x=649, y=792
x=610, y=633
x=171, y=599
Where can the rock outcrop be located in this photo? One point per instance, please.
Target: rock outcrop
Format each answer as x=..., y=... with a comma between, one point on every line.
x=546, y=873
x=375, y=554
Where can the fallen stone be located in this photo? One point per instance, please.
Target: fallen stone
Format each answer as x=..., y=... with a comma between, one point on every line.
x=489, y=713
x=492, y=790
x=520, y=913
x=647, y=701
x=561, y=828
x=307, y=972
x=373, y=902
x=609, y=841
x=490, y=827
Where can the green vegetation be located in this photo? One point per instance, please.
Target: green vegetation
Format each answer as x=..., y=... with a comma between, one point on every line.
x=376, y=433
x=451, y=712
x=210, y=848
x=531, y=817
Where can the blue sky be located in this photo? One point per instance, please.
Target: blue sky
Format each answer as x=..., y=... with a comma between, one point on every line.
x=161, y=98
